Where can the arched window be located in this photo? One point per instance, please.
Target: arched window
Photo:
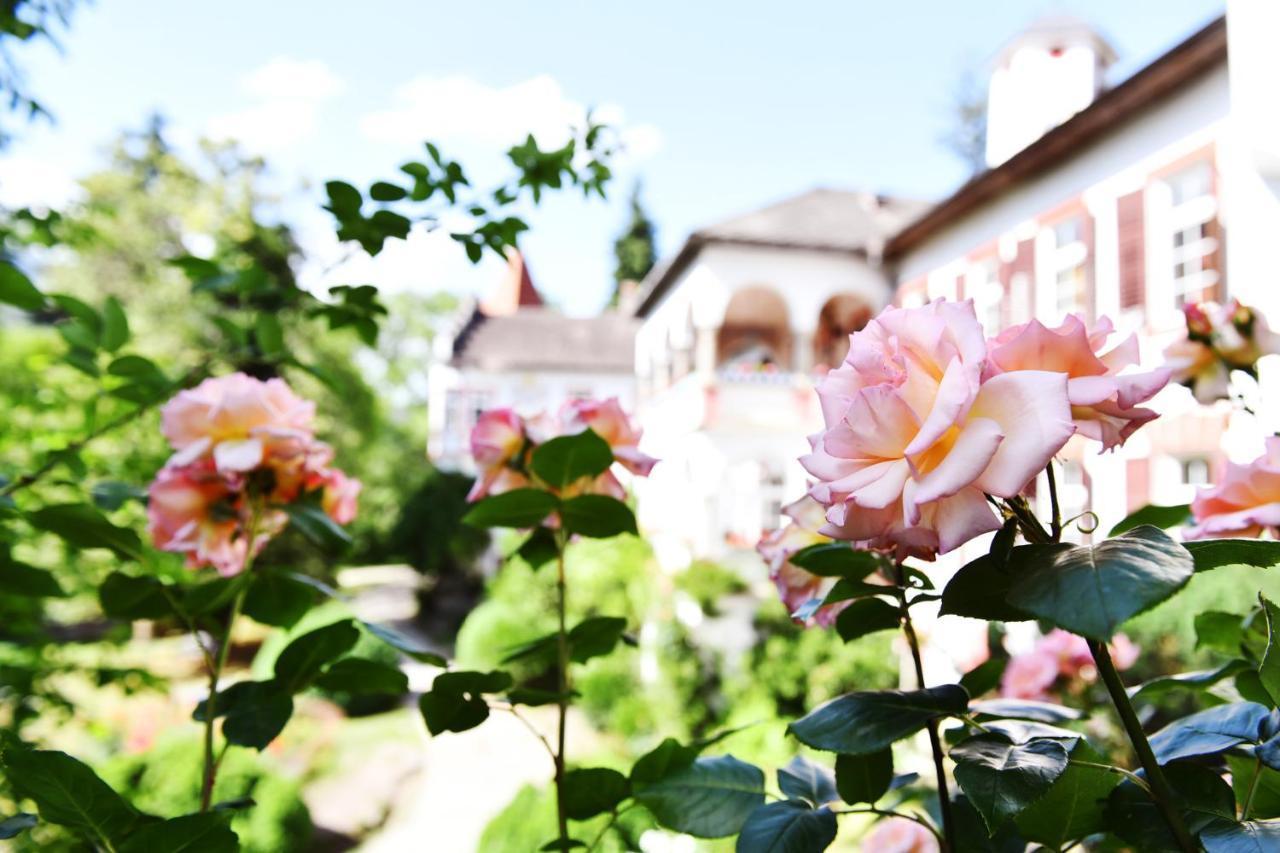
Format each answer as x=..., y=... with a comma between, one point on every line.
x=755, y=334
x=841, y=316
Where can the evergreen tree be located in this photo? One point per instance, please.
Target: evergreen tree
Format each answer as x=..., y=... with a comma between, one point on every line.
x=635, y=249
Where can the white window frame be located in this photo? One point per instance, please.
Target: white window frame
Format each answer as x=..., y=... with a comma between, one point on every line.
x=1185, y=215
x=1068, y=258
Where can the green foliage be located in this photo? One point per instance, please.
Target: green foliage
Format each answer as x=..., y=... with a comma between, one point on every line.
x=869, y=721
x=864, y=778
x=1002, y=778
x=710, y=798
x=790, y=826
x=635, y=251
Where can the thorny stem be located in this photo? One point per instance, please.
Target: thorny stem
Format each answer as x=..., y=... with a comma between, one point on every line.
x=935, y=743
x=1055, y=523
x=1158, y=786
x=891, y=813
x=562, y=688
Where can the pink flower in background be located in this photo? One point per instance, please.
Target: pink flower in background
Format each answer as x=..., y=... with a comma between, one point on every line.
x=610, y=422
x=340, y=495
x=497, y=440
x=240, y=421
x=1245, y=503
x=1059, y=655
x=1070, y=652
x=915, y=439
x=797, y=587
x=1029, y=676
x=1104, y=403
x=1220, y=338
x=1124, y=652
x=900, y=835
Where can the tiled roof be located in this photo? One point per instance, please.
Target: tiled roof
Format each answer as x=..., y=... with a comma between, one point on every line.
x=542, y=339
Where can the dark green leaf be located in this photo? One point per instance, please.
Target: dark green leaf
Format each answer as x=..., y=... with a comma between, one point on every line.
x=11, y=827
x=1210, y=731
x=110, y=495
x=594, y=637
x=1269, y=669
x=1221, y=631
x=971, y=832
x=384, y=191
x=304, y=658
x=194, y=833
x=864, y=778
x=23, y=580
x=127, y=597
x=17, y=290
x=589, y=791
x=1025, y=709
x=869, y=721
x=803, y=779
x=277, y=599
x=137, y=367
x=456, y=702
x=836, y=559
x=1002, y=778
x=539, y=548
x=68, y=793
x=269, y=335
x=358, y=675
x=666, y=757
x=790, y=826
x=1199, y=680
x=1254, y=836
x=83, y=526
x=566, y=459
x=1073, y=808
x=344, y=199
x=709, y=798
x=1216, y=553
x=516, y=508
x=115, y=325
x=597, y=516
x=845, y=589
x=1266, y=793
x=866, y=616
x=211, y=595
x=315, y=524
x=985, y=677
x=1162, y=517
x=1092, y=590
x=256, y=712
x=405, y=645
x=979, y=590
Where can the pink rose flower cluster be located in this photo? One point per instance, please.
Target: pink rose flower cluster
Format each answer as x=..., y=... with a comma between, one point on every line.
x=926, y=418
x=796, y=586
x=242, y=449
x=900, y=835
x=1220, y=339
x=1058, y=657
x=502, y=442
x=1246, y=503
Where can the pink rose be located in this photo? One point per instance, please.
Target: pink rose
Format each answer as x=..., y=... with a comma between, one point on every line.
x=900, y=835
x=797, y=587
x=608, y=420
x=497, y=440
x=1220, y=338
x=1245, y=503
x=1029, y=676
x=240, y=421
x=1124, y=652
x=915, y=439
x=1103, y=402
x=1074, y=658
x=339, y=497
x=196, y=510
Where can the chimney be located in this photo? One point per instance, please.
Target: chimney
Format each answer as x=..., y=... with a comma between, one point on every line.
x=1042, y=77
x=516, y=290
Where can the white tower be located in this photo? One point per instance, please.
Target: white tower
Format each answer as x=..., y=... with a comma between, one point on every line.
x=1042, y=77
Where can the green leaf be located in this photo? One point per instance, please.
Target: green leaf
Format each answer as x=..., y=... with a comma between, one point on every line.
x=1254, y=836
x=866, y=616
x=803, y=779
x=1266, y=794
x=127, y=597
x=590, y=638
x=516, y=508
x=17, y=290
x=456, y=702
x=15, y=825
x=790, y=826
x=666, y=757
x=1215, y=553
x=115, y=325
x=1200, y=794
x=1092, y=590
x=589, y=791
x=210, y=596
x=22, y=580
x=83, y=526
x=304, y=658
x=358, y=675
x=1074, y=806
x=971, y=831
x=68, y=793
x=344, y=199
x=1269, y=669
x=985, y=677
x=1221, y=631
x=110, y=495
x=869, y=721
x=836, y=559
x=137, y=367
x=539, y=548
x=405, y=645
x=981, y=587
x=1163, y=517
x=566, y=459
x=269, y=335
x=1198, y=680
x=1026, y=709
x=864, y=778
x=315, y=524
x=597, y=516
x=710, y=798
x=1002, y=778
x=384, y=191
x=277, y=599
x=256, y=712
x=1210, y=731
x=194, y=833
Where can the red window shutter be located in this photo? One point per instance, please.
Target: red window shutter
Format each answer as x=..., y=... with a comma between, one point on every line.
x=1133, y=255
x=1137, y=483
x=1088, y=234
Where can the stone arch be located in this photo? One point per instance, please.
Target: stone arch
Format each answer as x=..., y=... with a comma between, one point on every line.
x=756, y=331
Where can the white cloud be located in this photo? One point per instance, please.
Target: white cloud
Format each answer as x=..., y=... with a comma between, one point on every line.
x=459, y=109
x=289, y=94
x=27, y=181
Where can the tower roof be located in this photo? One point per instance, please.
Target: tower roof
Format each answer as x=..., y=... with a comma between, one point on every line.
x=1055, y=30
x=516, y=290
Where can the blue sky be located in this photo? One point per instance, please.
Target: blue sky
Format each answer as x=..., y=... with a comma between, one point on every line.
x=727, y=105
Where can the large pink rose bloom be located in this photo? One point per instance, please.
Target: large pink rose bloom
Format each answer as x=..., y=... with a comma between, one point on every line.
x=1104, y=403
x=240, y=421
x=197, y=511
x=915, y=439
x=497, y=440
x=608, y=420
x=797, y=587
x=900, y=835
x=1245, y=503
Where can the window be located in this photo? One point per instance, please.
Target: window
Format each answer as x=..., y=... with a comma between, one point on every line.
x=988, y=295
x=1195, y=471
x=1191, y=222
x=771, y=489
x=1069, y=255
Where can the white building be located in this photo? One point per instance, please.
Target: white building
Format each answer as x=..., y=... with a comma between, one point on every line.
x=1126, y=201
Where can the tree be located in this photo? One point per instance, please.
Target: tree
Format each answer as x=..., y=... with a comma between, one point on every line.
x=635, y=248
x=22, y=22
x=967, y=136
